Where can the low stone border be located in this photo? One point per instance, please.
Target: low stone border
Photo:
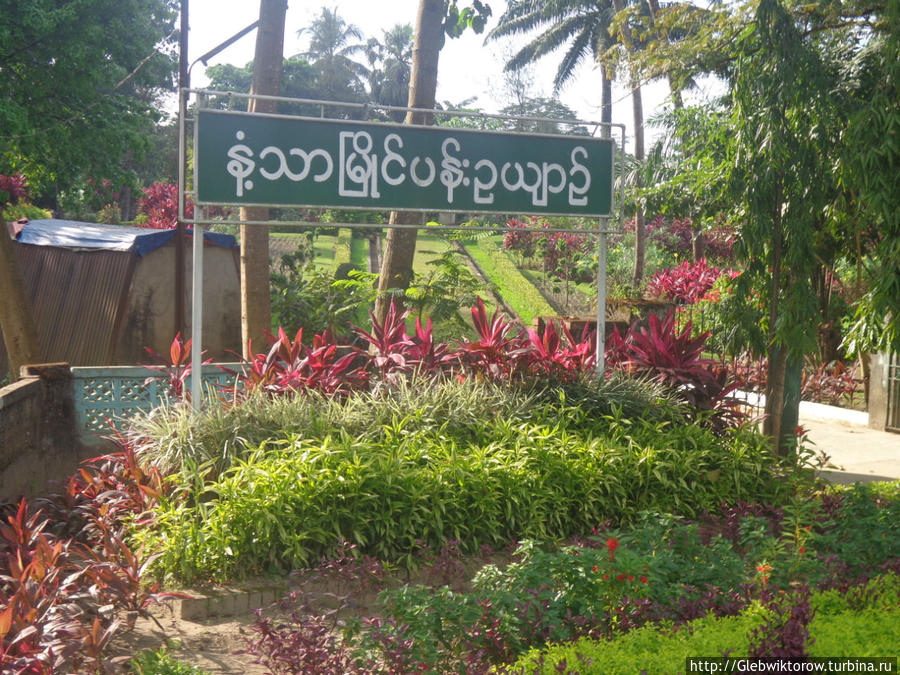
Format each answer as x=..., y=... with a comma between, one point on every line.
x=226, y=603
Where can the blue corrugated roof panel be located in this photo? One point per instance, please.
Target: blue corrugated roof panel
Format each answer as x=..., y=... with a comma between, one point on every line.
x=138, y=240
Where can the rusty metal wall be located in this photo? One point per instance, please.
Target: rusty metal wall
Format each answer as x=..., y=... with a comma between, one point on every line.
x=99, y=308
x=75, y=297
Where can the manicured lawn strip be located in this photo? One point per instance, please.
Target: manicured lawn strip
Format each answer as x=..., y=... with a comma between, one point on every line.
x=342, y=247
x=428, y=247
x=324, y=251
x=519, y=293
x=359, y=252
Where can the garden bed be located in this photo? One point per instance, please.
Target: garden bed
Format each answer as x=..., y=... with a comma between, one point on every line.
x=738, y=568
x=631, y=501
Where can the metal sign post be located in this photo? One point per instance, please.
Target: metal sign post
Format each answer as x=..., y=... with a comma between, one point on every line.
x=601, y=297
x=277, y=160
x=197, y=317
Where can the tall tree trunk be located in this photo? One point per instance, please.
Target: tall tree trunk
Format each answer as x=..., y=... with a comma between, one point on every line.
x=637, y=107
x=777, y=367
x=640, y=217
x=256, y=312
x=16, y=320
x=400, y=247
x=605, y=101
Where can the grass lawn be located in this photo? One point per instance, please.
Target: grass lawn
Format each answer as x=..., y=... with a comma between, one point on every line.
x=428, y=247
x=324, y=248
x=359, y=252
x=518, y=292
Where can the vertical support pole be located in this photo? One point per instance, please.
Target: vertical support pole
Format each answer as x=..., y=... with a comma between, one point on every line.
x=601, y=297
x=197, y=289
x=184, y=82
x=182, y=150
x=197, y=316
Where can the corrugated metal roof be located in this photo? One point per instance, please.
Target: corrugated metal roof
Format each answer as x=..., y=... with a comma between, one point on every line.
x=76, y=235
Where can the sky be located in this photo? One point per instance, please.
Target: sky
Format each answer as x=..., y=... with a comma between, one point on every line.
x=468, y=67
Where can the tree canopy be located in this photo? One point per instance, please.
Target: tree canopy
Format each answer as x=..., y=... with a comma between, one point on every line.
x=79, y=86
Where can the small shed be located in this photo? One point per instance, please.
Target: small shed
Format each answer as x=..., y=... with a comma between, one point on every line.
x=102, y=293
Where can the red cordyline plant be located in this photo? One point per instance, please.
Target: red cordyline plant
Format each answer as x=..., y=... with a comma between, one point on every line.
x=66, y=571
x=550, y=355
x=389, y=342
x=675, y=358
x=393, y=351
x=500, y=351
x=519, y=239
x=176, y=370
x=160, y=205
x=289, y=366
x=427, y=355
x=497, y=353
x=687, y=283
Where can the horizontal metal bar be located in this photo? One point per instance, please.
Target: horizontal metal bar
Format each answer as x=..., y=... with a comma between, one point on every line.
x=404, y=226
x=393, y=108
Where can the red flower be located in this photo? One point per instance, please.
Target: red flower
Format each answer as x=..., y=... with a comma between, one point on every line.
x=605, y=577
x=802, y=549
x=643, y=579
x=621, y=577
x=594, y=568
x=612, y=544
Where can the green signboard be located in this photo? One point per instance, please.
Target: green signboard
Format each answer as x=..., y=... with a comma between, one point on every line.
x=250, y=159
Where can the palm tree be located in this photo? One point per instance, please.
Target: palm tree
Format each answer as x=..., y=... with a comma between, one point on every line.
x=390, y=67
x=331, y=44
x=583, y=25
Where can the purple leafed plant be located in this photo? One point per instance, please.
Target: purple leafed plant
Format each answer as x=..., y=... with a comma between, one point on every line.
x=785, y=632
x=389, y=342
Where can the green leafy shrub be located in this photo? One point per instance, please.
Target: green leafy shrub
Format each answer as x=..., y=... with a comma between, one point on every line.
x=292, y=498
x=305, y=297
x=463, y=411
x=865, y=532
x=649, y=649
x=16, y=211
x=160, y=662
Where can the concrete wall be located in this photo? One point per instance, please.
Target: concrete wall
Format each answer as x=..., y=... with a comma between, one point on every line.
x=149, y=318
x=38, y=441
